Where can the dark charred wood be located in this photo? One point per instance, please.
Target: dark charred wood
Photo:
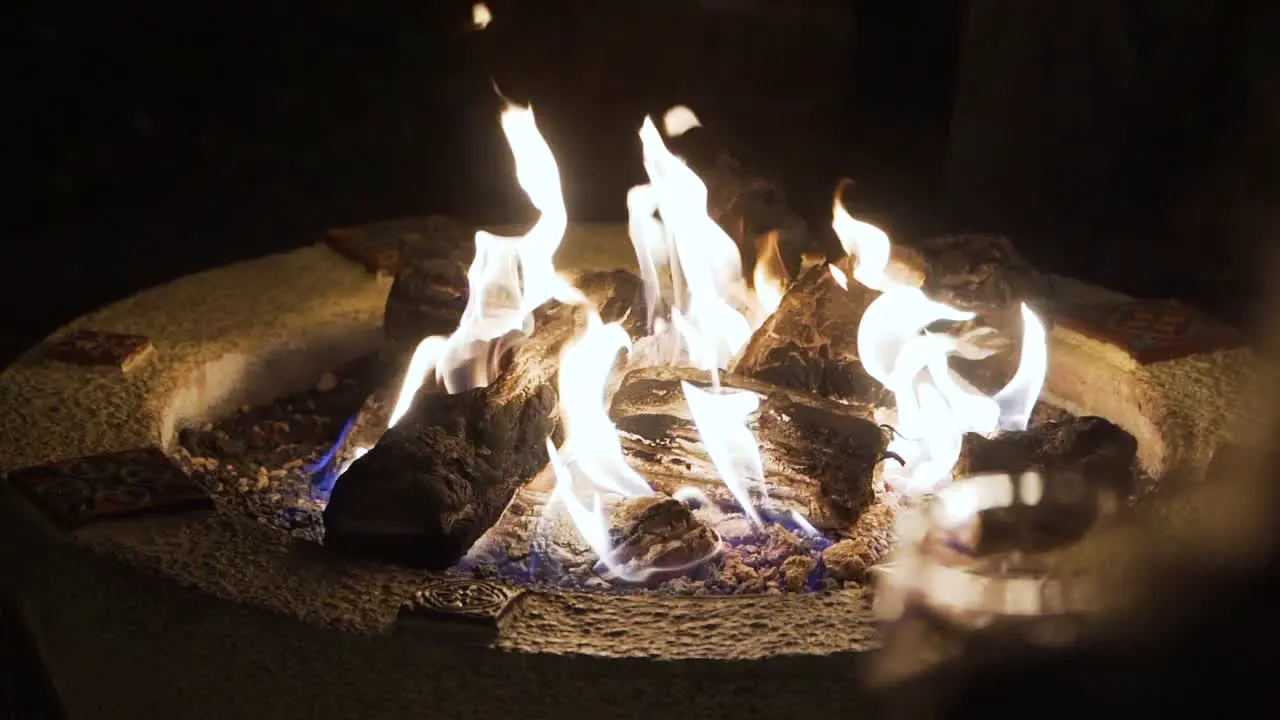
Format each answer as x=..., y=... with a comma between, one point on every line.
x=427, y=298
x=984, y=274
x=820, y=456
x=430, y=289
x=810, y=342
x=1085, y=463
x=620, y=296
x=443, y=475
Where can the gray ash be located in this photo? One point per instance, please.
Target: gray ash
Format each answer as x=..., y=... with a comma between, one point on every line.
x=255, y=462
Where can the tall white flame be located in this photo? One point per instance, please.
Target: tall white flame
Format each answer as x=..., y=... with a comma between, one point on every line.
x=935, y=407
x=591, y=439
x=721, y=418
x=677, y=241
x=508, y=279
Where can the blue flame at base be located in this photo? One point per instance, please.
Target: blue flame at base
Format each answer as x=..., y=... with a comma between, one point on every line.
x=325, y=471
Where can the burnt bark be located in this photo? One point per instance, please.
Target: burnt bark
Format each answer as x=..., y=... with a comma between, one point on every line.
x=986, y=275
x=443, y=475
x=810, y=342
x=430, y=289
x=1085, y=463
x=820, y=456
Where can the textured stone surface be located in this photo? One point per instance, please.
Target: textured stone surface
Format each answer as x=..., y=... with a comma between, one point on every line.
x=1150, y=331
x=270, y=626
x=1179, y=410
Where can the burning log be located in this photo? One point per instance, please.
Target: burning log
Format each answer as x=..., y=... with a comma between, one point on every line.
x=810, y=342
x=986, y=275
x=1085, y=463
x=819, y=455
x=443, y=475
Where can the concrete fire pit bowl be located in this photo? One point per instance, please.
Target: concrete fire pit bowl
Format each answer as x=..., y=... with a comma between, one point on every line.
x=171, y=607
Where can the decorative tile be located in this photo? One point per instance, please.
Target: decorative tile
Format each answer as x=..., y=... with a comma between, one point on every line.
x=92, y=348
x=1151, y=331
x=461, y=600
x=145, y=481
x=385, y=246
x=374, y=253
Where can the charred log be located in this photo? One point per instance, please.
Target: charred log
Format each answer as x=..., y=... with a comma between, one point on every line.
x=820, y=456
x=810, y=342
x=444, y=474
x=1085, y=463
x=986, y=275
x=430, y=289
x=427, y=298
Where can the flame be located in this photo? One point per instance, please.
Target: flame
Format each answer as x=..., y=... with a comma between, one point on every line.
x=425, y=358
x=769, y=279
x=481, y=16
x=864, y=241
x=721, y=418
x=934, y=406
x=838, y=275
x=678, y=120
x=1018, y=398
x=688, y=263
x=509, y=278
x=589, y=466
x=591, y=439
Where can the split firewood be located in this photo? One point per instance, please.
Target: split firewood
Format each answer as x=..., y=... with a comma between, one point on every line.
x=443, y=475
x=820, y=456
x=1085, y=464
x=810, y=342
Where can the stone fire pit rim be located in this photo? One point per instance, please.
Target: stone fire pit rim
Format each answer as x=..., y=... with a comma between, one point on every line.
x=308, y=310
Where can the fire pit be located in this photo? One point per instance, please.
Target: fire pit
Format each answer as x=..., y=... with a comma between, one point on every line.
x=620, y=458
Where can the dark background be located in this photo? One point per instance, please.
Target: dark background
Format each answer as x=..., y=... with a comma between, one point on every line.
x=158, y=139
x=1131, y=142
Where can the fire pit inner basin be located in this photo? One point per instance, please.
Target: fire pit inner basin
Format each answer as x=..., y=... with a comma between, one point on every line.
x=788, y=413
